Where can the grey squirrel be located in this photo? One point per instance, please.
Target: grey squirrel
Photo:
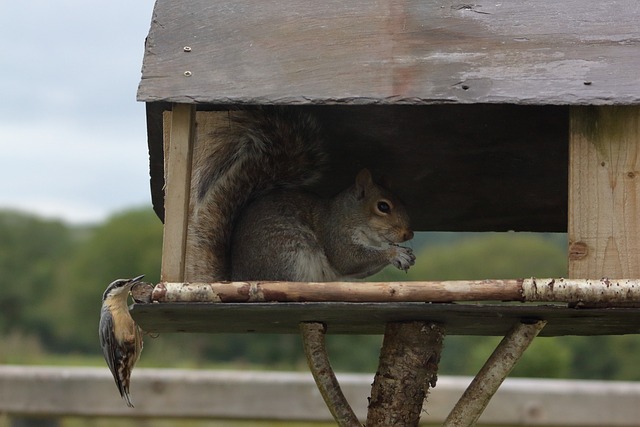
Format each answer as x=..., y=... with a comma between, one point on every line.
x=254, y=219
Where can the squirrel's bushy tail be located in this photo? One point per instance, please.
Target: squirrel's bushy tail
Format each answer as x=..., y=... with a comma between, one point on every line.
x=256, y=151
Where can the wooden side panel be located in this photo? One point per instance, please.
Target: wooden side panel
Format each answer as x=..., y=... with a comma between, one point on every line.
x=156, y=124
x=178, y=177
x=392, y=51
x=604, y=192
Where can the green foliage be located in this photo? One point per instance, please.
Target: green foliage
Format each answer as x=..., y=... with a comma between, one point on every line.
x=545, y=358
x=605, y=357
x=30, y=251
x=127, y=245
x=487, y=256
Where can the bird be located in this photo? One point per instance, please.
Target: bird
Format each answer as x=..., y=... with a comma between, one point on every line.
x=120, y=336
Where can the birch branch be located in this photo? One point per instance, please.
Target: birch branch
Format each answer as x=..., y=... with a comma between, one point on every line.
x=318, y=361
x=477, y=396
x=577, y=291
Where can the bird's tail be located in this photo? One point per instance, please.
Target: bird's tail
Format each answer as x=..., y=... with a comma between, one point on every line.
x=127, y=399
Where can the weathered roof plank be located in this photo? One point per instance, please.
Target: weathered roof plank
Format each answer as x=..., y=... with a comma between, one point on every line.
x=394, y=51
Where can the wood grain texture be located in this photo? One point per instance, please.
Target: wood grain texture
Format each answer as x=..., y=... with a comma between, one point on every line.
x=604, y=198
x=370, y=318
x=178, y=171
x=171, y=394
x=392, y=51
x=406, y=373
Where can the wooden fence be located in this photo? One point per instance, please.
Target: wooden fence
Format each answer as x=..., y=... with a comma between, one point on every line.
x=53, y=392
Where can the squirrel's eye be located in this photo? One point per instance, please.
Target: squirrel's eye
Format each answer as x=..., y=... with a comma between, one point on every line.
x=384, y=207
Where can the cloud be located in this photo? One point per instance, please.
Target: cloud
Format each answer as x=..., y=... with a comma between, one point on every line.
x=54, y=164
x=72, y=137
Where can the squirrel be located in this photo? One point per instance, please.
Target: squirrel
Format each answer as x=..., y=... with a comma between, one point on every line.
x=254, y=218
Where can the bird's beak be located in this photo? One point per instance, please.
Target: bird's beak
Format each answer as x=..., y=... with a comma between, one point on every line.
x=137, y=279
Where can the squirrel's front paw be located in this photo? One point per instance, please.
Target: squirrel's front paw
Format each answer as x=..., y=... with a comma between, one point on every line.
x=404, y=258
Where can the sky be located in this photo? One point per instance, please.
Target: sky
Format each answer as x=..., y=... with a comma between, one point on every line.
x=72, y=136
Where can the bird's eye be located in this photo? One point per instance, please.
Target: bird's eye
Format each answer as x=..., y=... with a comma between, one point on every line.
x=384, y=207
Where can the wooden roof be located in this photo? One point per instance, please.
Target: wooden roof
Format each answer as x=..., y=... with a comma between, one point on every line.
x=498, y=162
x=393, y=51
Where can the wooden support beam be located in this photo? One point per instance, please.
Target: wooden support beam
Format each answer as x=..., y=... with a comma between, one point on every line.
x=477, y=396
x=178, y=153
x=318, y=361
x=408, y=367
x=604, y=192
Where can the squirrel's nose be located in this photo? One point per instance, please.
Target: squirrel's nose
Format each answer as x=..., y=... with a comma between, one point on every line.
x=407, y=235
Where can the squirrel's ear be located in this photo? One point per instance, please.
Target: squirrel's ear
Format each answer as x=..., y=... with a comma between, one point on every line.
x=363, y=182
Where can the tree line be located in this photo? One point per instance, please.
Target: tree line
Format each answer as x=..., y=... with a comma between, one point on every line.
x=52, y=276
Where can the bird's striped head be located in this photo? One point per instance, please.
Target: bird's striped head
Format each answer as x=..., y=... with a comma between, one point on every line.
x=119, y=286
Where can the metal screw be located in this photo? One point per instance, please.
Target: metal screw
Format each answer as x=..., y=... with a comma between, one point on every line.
x=187, y=73
x=187, y=48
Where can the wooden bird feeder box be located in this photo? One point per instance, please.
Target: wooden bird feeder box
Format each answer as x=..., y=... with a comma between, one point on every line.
x=519, y=115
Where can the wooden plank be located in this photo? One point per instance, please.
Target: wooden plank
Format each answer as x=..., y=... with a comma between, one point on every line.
x=392, y=51
x=457, y=167
x=178, y=179
x=604, y=193
x=175, y=393
x=370, y=318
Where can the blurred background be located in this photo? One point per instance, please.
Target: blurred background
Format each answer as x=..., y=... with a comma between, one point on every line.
x=75, y=213
x=54, y=272
x=72, y=136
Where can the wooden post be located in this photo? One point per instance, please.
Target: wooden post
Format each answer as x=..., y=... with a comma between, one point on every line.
x=604, y=198
x=179, y=152
x=408, y=367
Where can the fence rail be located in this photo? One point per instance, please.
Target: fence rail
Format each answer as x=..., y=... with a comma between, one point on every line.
x=171, y=393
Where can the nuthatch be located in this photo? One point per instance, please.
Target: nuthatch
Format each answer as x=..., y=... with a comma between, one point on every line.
x=120, y=337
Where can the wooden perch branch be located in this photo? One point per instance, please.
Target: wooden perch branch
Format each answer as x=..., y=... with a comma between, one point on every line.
x=318, y=361
x=477, y=396
x=588, y=292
